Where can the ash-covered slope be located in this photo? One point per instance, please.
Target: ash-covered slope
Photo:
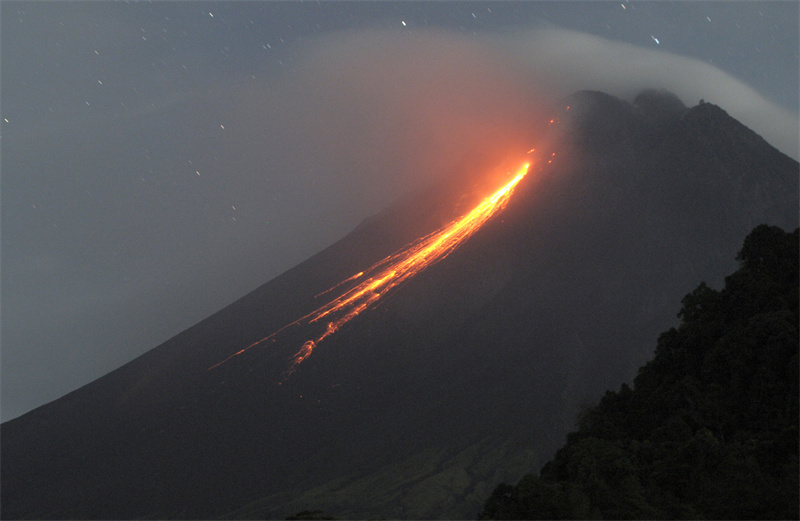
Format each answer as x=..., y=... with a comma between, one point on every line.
x=477, y=364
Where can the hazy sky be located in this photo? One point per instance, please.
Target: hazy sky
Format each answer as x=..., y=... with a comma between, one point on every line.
x=160, y=160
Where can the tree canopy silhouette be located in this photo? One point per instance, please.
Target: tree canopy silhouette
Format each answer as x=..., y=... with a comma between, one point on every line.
x=709, y=429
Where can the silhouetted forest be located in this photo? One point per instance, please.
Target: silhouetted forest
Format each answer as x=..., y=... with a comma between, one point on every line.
x=710, y=427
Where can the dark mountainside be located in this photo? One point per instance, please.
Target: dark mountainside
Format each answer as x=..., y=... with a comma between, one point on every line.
x=469, y=375
x=709, y=430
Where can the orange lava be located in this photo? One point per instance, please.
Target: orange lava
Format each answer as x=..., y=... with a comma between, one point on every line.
x=392, y=271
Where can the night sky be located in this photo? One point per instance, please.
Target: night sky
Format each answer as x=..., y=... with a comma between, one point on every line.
x=160, y=160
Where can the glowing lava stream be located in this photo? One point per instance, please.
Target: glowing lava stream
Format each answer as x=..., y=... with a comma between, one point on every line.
x=392, y=271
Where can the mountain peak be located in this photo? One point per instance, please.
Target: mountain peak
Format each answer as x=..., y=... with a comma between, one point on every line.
x=659, y=101
x=714, y=122
x=598, y=122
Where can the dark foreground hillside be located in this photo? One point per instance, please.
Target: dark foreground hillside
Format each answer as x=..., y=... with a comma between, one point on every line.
x=710, y=428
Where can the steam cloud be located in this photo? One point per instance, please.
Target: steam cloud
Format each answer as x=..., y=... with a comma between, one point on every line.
x=379, y=111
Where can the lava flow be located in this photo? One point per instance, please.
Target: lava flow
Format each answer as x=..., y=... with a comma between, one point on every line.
x=392, y=271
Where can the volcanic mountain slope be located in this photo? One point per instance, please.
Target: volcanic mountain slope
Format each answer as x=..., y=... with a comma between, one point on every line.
x=468, y=375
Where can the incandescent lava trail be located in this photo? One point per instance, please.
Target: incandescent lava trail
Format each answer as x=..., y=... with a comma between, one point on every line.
x=393, y=270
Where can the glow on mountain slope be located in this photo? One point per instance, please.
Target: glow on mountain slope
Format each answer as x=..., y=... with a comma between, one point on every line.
x=392, y=271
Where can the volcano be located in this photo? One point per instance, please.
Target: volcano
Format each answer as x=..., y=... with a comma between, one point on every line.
x=467, y=374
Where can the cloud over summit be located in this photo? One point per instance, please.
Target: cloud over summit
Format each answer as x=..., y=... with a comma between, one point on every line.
x=416, y=103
